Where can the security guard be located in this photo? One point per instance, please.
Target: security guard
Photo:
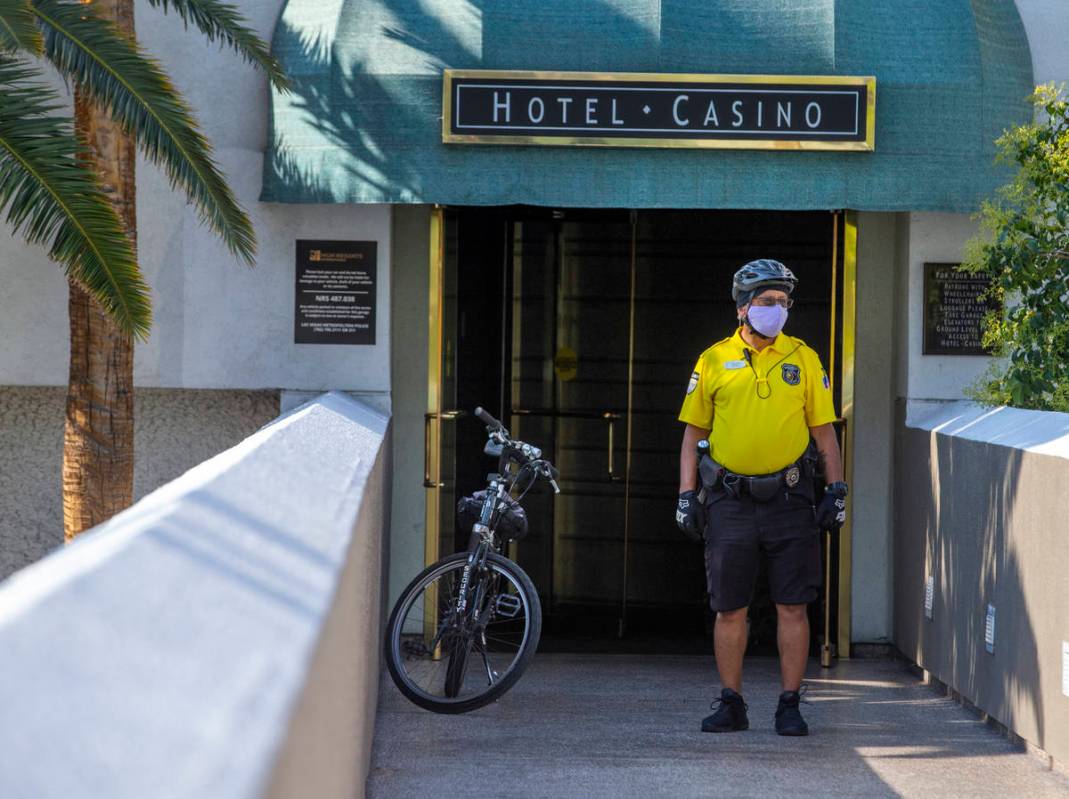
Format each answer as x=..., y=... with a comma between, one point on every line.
x=759, y=397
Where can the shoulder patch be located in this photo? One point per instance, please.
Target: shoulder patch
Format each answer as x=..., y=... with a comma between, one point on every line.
x=827, y=383
x=693, y=384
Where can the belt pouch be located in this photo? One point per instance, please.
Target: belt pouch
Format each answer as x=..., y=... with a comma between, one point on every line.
x=766, y=487
x=732, y=484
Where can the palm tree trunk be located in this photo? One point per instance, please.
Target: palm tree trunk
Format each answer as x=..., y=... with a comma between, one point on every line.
x=98, y=445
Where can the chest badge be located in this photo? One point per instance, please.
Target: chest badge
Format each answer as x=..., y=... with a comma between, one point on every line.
x=792, y=375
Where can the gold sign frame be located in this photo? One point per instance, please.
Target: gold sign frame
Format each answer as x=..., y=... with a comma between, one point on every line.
x=867, y=145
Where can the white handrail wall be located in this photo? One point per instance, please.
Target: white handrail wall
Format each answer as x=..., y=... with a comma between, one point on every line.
x=980, y=512
x=220, y=638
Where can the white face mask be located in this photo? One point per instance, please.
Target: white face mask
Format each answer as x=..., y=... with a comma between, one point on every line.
x=767, y=320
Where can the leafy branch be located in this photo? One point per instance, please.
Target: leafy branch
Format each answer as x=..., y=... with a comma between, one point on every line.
x=1024, y=248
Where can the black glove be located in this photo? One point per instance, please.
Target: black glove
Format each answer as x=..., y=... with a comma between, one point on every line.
x=831, y=512
x=690, y=515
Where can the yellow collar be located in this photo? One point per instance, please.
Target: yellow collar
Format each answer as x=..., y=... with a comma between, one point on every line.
x=781, y=343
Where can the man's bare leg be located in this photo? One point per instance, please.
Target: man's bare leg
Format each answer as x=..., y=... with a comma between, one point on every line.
x=792, y=636
x=729, y=644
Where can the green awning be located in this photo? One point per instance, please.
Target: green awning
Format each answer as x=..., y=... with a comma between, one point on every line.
x=363, y=124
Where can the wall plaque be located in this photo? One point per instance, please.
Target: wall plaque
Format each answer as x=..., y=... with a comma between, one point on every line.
x=336, y=292
x=953, y=311
x=607, y=109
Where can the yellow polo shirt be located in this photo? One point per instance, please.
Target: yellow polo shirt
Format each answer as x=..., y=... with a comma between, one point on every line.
x=759, y=405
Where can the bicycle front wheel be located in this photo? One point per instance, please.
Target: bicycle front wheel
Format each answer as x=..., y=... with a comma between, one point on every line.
x=455, y=643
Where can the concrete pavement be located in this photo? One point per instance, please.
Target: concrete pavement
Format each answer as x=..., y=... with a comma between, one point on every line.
x=628, y=726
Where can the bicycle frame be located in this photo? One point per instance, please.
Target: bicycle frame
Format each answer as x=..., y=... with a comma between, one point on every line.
x=482, y=541
x=476, y=603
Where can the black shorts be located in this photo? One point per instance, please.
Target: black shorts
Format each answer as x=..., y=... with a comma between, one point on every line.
x=739, y=531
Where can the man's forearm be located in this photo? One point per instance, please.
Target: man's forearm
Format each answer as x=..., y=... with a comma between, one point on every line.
x=688, y=457
x=830, y=458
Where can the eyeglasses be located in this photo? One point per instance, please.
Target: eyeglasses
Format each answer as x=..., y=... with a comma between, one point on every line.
x=768, y=302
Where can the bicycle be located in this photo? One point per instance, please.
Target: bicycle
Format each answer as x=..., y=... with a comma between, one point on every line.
x=476, y=602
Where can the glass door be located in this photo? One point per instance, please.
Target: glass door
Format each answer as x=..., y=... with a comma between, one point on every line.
x=568, y=387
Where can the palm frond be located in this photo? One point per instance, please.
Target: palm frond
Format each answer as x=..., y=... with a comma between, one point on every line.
x=18, y=27
x=223, y=21
x=132, y=87
x=51, y=198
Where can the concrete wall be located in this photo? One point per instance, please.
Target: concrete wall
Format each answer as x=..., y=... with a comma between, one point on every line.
x=174, y=430
x=220, y=638
x=932, y=238
x=979, y=507
x=901, y=303
x=870, y=502
x=409, y=315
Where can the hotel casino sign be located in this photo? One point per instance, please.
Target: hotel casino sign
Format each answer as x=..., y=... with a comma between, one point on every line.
x=774, y=112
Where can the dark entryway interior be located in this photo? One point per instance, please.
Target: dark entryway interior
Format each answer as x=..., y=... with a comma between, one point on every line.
x=579, y=329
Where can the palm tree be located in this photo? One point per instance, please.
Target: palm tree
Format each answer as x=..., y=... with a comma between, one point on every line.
x=76, y=195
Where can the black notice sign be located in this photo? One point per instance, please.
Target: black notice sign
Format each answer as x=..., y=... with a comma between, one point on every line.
x=336, y=292
x=634, y=109
x=954, y=311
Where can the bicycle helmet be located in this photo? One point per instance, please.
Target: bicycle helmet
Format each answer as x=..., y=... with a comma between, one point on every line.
x=763, y=273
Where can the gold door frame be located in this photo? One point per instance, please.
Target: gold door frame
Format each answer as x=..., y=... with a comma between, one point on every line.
x=432, y=460
x=849, y=321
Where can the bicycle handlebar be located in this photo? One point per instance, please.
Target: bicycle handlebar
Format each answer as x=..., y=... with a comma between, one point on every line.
x=530, y=453
x=487, y=419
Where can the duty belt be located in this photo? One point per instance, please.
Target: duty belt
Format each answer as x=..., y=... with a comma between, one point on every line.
x=762, y=487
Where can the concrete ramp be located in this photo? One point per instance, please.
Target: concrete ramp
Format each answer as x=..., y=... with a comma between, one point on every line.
x=628, y=726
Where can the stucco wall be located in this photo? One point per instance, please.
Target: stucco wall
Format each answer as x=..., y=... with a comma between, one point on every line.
x=174, y=430
x=979, y=507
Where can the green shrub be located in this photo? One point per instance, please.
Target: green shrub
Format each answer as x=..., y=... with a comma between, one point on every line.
x=1024, y=248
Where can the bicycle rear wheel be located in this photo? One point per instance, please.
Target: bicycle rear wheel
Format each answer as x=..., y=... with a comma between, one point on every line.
x=453, y=656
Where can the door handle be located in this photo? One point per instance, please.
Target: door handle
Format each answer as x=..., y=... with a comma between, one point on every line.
x=427, y=481
x=611, y=418
x=427, y=419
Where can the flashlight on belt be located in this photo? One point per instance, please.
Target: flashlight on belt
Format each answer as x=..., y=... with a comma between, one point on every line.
x=703, y=452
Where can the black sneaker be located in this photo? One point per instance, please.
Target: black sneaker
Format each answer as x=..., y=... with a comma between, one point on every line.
x=730, y=715
x=789, y=719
